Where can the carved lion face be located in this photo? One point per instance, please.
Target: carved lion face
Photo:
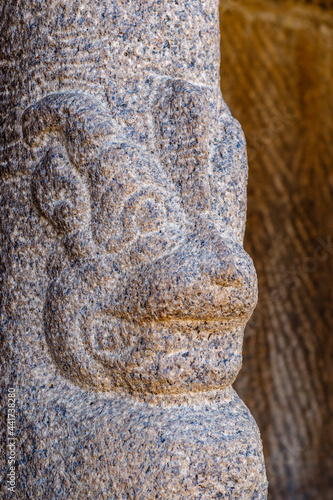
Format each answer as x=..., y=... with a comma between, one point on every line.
x=148, y=293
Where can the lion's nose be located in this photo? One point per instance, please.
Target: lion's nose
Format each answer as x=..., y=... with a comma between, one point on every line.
x=218, y=261
x=225, y=274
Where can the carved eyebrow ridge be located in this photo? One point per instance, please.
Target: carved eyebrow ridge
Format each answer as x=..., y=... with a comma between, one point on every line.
x=78, y=116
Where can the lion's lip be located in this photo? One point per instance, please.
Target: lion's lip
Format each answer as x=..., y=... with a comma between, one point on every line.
x=191, y=282
x=217, y=303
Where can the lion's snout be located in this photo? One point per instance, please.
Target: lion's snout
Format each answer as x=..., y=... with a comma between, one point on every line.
x=197, y=280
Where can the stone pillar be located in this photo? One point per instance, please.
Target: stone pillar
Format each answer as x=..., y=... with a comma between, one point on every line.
x=125, y=288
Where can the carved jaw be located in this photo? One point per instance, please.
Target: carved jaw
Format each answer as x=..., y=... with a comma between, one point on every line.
x=164, y=327
x=176, y=325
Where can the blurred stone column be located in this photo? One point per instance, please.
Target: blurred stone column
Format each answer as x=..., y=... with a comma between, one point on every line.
x=277, y=78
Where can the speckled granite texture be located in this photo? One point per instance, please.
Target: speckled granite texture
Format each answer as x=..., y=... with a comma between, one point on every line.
x=125, y=288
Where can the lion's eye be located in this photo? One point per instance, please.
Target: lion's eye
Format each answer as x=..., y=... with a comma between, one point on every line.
x=145, y=212
x=149, y=215
x=150, y=221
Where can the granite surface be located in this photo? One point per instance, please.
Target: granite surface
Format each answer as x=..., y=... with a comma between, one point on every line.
x=125, y=288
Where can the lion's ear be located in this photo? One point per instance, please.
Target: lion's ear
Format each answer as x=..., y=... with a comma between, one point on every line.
x=63, y=198
x=81, y=122
x=70, y=132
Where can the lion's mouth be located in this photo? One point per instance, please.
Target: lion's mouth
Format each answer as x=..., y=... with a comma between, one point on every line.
x=166, y=355
x=187, y=285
